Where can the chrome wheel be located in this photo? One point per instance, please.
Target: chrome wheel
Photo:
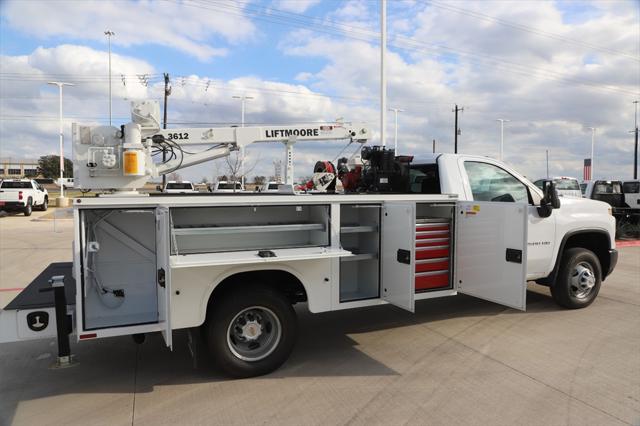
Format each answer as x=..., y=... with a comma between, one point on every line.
x=583, y=279
x=254, y=333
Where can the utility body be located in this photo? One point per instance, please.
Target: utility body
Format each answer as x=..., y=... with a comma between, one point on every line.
x=232, y=265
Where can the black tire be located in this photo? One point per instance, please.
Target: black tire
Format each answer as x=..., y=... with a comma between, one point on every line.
x=28, y=208
x=579, y=279
x=220, y=334
x=45, y=204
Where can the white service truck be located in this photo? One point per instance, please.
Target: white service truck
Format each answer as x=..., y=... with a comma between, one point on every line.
x=23, y=195
x=232, y=266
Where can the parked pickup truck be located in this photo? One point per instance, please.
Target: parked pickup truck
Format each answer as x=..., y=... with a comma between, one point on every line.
x=23, y=194
x=184, y=187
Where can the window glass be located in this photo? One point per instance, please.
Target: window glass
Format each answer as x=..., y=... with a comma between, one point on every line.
x=16, y=185
x=583, y=187
x=424, y=179
x=491, y=183
x=539, y=183
x=179, y=186
x=567, y=184
x=631, y=187
x=602, y=187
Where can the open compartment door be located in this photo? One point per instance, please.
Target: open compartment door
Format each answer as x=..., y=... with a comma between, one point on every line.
x=491, y=252
x=163, y=272
x=398, y=253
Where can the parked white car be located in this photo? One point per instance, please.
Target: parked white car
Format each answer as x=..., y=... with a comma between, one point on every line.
x=67, y=182
x=174, y=187
x=23, y=194
x=227, y=186
x=271, y=186
x=566, y=186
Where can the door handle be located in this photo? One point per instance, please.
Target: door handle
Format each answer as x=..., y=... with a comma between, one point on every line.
x=514, y=255
x=404, y=256
x=162, y=277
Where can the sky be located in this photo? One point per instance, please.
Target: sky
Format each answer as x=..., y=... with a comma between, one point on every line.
x=552, y=68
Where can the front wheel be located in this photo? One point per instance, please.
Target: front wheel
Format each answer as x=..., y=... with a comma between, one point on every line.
x=251, y=332
x=45, y=204
x=579, y=279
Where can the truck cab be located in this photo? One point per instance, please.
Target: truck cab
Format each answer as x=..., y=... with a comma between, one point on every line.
x=556, y=237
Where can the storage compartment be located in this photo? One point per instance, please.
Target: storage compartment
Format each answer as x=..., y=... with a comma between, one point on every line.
x=433, y=247
x=221, y=229
x=118, y=256
x=360, y=234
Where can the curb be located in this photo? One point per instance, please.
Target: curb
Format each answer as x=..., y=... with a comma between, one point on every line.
x=627, y=243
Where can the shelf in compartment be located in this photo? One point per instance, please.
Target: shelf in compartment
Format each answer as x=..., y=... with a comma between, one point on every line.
x=249, y=229
x=352, y=229
x=251, y=256
x=362, y=256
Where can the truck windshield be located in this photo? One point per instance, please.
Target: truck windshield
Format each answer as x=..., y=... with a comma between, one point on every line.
x=16, y=185
x=607, y=188
x=273, y=186
x=179, y=186
x=567, y=184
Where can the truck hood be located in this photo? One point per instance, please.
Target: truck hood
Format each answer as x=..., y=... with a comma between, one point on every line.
x=584, y=205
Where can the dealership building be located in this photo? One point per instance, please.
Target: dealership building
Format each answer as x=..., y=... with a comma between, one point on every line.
x=13, y=168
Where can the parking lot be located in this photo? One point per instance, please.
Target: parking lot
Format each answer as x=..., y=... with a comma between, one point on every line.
x=458, y=360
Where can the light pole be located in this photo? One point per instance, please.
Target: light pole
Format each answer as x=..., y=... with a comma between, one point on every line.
x=243, y=99
x=396, y=111
x=502, y=121
x=593, y=141
x=60, y=132
x=383, y=74
x=109, y=33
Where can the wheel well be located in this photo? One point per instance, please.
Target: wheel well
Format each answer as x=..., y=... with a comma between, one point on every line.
x=282, y=281
x=596, y=241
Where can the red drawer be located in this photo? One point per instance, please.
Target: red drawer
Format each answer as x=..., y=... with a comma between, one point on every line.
x=432, y=252
x=433, y=265
x=432, y=234
x=431, y=280
x=433, y=242
x=422, y=228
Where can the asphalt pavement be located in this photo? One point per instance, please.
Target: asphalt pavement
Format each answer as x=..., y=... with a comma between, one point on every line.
x=457, y=361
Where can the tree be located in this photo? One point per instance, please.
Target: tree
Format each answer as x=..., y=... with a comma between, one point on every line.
x=174, y=177
x=259, y=180
x=204, y=180
x=49, y=167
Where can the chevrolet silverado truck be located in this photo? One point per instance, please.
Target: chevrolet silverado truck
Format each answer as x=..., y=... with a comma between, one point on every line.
x=24, y=195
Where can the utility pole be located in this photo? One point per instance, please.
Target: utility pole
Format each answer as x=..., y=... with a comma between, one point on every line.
x=61, y=135
x=243, y=99
x=434, y=146
x=396, y=111
x=593, y=139
x=502, y=121
x=167, y=92
x=635, y=150
x=109, y=33
x=457, y=130
x=383, y=74
x=547, y=151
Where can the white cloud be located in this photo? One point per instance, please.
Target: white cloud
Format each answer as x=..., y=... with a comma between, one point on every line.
x=296, y=6
x=182, y=26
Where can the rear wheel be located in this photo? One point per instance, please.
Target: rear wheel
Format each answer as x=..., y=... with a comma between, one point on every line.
x=28, y=208
x=251, y=332
x=579, y=279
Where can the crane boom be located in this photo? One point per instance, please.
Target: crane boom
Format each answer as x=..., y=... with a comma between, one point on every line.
x=106, y=157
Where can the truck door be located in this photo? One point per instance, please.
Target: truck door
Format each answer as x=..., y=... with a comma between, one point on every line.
x=491, y=251
x=163, y=272
x=397, y=254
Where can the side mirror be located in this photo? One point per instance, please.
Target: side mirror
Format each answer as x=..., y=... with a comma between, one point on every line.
x=550, y=199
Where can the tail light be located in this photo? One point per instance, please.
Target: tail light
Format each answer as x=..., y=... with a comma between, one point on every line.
x=20, y=195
